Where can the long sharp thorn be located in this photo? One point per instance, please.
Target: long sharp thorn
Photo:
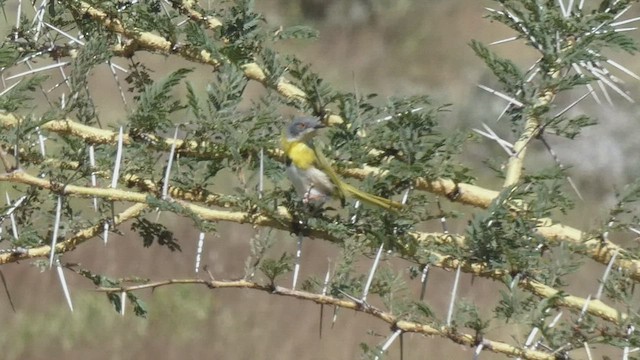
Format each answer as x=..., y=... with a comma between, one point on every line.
x=18, y=18
x=570, y=7
x=38, y=18
x=387, y=118
x=116, y=66
x=10, y=87
x=563, y=111
x=123, y=302
x=105, y=232
x=199, y=251
x=356, y=206
x=6, y=291
x=622, y=22
x=67, y=35
x=585, y=306
x=603, y=80
x=623, y=69
x=56, y=226
x=261, y=174
x=41, y=142
x=334, y=317
x=490, y=134
x=33, y=71
x=94, y=182
x=443, y=219
x=501, y=95
x=595, y=96
x=555, y=320
x=625, y=352
x=498, y=42
x=531, y=337
x=564, y=11
x=625, y=29
x=607, y=271
x=12, y=217
x=167, y=173
x=116, y=168
x=587, y=350
x=557, y=161
x=350, y=297
x=405, y=196
x=115, y=77
x=454, y=293
x=389, y=341
x=423, y=280
x=365, y=291
x=476, y=353
x=325, y=288
x=296, y=266
x=63, y=283
x=604, y=90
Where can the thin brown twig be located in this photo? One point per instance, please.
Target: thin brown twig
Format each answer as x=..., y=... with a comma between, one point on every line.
x=395, y=322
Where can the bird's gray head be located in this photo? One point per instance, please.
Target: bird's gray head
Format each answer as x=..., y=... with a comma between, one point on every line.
x=303, y=128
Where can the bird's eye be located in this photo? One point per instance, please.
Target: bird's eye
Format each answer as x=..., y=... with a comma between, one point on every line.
x=302, y=126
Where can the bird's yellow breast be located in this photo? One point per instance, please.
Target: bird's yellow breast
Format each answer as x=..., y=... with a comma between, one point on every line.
x=300, y=154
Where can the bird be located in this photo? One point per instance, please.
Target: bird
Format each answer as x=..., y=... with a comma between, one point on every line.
x=309, y=171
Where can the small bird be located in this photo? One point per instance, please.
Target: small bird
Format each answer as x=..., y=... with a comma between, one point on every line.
x=310, y=172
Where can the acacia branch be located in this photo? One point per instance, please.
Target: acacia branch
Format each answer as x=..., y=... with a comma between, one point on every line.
x=78, y=238
x=389, y=318
x=530, y=131
x=155, y=43
x=282, y=220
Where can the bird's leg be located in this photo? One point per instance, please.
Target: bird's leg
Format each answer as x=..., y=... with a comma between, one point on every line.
x=298, y=224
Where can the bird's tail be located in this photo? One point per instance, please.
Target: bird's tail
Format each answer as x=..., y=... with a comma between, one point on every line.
x=370, y=198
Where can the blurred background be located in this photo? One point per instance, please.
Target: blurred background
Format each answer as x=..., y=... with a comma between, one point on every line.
x=392, y=48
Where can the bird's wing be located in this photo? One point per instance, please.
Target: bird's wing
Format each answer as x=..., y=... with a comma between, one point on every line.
x=323, y=164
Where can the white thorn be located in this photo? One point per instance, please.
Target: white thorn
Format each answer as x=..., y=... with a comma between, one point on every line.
x=606, y=275
x=327, y=276
x=116, y=169
x=33, y=71
x=199, y=251
x=498, y=42
x=454, y=293
x=94, y=182
x=587, y=350
x=501, y=95
x=261, y=174
x=296, y=266
x=10, y=87
x=63, y=283
x=365, y=291
x=70, y=37
x=56, y=226
x=12, y=217
x=476, y=353
x=389, y=341
x=123, y=302
x=167, y=173
x=423, y=281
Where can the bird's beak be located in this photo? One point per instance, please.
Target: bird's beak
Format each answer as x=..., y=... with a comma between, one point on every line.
x=319, y=126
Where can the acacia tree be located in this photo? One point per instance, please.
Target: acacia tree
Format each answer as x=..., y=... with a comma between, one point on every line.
x=171, y=151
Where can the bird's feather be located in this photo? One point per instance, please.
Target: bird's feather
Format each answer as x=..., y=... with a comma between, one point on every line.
x=313, y=176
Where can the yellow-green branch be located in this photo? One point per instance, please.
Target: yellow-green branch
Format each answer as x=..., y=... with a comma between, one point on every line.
x=283, y=221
